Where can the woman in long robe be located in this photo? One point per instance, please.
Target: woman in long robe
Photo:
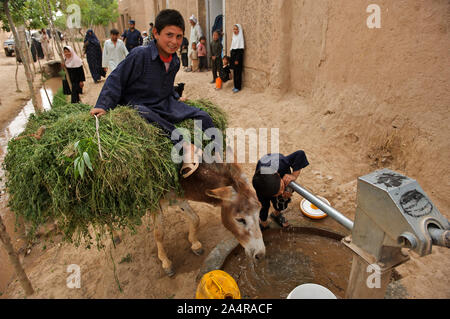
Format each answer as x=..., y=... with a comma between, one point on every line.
x=94, y=55
x=237, y=56
x=74, y=66
x=46, y=45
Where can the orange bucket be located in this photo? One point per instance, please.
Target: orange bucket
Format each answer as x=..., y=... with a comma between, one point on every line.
x=218, y=83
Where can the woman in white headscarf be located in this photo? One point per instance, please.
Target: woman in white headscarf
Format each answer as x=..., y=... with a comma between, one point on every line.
x=74, y=66
x=196, y=34
x=237, y=56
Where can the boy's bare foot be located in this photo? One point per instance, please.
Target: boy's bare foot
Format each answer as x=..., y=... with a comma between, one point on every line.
x=191, y=158
x=279, y=218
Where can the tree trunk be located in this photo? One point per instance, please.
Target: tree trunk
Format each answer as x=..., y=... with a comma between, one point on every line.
x=21, y=55
x=59, y=46
x=26, y=62
x=43, y=84
x=81, y=50
x=29, y=54
x=14, y=259
x=17, y=82
x=26, y=49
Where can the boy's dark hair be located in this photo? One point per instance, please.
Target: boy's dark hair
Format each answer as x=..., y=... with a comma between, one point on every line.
x=169, y=17
x=266, y=185
x=151, y=24
x=226, y=57
x=202, y=38
x=114, y=31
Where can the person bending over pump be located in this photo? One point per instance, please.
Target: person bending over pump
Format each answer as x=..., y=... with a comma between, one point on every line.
x=271, y=179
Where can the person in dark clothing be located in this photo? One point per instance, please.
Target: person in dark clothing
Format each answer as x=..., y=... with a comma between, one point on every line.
x=150, y=32
x=218, y=26
x=93, y=51
x=271, y=182
x=216, y=54
x=36, y=49
x=145, y=80
x=74, y=66
x=225, y=71
x=132, y=37
x=237, y=56
x=184, y=49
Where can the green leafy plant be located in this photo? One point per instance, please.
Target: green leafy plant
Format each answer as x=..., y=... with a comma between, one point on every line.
x=85, y=150
x=61, y=177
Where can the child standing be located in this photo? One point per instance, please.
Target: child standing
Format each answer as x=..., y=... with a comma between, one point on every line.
x=194, y=57
x=184, y=52
x=203, y=62
x=216, y=53
x=237, y=56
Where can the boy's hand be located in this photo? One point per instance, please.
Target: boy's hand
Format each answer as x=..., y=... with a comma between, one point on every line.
x=81, y=84
x=287, y=178
x=97, y=111
x=286, y=195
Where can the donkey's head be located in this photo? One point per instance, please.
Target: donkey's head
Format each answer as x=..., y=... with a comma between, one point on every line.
x=240, y=212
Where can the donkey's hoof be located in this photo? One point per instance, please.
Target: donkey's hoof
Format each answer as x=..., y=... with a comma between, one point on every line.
x=169, y=271
x=198, y=252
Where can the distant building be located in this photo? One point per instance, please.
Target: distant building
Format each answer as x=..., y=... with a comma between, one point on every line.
x=325, y=50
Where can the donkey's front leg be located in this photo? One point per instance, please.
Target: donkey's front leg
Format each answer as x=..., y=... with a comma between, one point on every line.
x=194, y=222
x=159, y=237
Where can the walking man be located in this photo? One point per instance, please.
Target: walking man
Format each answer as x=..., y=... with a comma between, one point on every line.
x=132, y=37
x=114, y=51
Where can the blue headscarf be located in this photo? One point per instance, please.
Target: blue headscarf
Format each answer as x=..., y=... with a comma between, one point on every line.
x=92, y=38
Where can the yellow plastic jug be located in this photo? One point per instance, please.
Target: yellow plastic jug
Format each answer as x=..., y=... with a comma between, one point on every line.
x=217, y=284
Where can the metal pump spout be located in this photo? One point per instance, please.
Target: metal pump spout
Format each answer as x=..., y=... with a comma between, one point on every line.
x=393, y=211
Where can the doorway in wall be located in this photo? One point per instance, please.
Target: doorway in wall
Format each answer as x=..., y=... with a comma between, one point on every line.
x=215, y=20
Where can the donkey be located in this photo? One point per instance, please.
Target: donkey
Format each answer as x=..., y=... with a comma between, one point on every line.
x=222, y=185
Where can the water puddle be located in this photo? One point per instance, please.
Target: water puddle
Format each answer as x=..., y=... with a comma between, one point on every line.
x=20, y=121
x=15, y=127
x=293, y=258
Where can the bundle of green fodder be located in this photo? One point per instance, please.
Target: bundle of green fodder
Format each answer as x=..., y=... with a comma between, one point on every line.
x=61, y=176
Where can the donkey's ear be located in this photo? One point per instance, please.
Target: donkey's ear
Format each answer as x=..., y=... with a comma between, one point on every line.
x=226, y=194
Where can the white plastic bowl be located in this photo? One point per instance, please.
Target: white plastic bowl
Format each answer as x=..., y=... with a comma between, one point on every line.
x=311, y=291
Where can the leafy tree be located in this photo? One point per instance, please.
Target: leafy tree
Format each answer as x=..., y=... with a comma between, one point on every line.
x=95, y=12
x=28, y=11
x=4, y=237
x=17, y=11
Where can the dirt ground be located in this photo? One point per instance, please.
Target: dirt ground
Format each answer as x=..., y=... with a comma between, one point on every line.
x=336, y=155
